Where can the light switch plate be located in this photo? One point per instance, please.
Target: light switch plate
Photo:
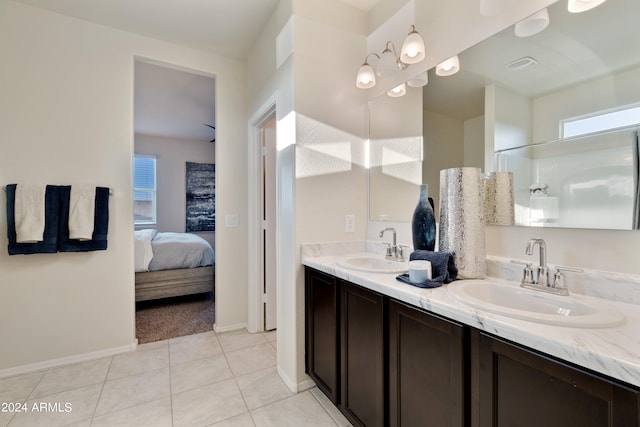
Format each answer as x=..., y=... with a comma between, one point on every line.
x=350, y=223
x=231, y=220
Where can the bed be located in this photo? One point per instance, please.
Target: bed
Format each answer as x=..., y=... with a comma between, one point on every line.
x=171, y=264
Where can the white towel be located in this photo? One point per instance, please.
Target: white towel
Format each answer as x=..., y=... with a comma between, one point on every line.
x=29, y=212
x=82, y=211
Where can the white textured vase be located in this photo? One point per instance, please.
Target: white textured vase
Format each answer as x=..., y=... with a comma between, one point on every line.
x=462, y=220
x=498, y=199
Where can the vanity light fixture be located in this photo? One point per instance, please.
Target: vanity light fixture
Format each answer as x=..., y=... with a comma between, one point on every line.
x=389, y=63
x=577, y=6
x=533, y=24
x=448, y=67
x=420, y=80
x=398, y=91
x=366, y=77
x=413, y=50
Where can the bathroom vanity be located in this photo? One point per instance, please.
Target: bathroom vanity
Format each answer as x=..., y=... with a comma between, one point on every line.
x=387, y=353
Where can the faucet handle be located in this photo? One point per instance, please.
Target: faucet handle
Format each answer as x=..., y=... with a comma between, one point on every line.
x=527, y=275
x=401, y=252
x=388, y=254
x=558, y=277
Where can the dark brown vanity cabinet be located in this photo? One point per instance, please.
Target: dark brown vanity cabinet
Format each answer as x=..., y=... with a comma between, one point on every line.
x=383, y=362
x=321, y=331
x=397, y=365
x=362, y=350
x=514, y=386
x=426, y=369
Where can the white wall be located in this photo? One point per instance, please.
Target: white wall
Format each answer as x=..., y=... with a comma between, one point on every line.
x=597, y=95
x=66, y=116
x=321, y=128
x=172, y=155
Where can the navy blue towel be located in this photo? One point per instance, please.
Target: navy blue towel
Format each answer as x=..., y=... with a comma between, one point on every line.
x=98, y=241
x=49, y=245
x=443, y=268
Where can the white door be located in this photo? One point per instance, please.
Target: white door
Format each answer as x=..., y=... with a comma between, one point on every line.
x=269, y=222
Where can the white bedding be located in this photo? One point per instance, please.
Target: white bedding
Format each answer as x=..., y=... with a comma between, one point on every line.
x=168, y=250
x=142, y=249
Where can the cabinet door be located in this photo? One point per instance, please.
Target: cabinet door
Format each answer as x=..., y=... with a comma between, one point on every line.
x=517, y=387
x=426, y=369
x=363, y=379
x=322, y=345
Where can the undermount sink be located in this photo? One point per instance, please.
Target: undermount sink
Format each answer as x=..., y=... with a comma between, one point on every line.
x=514, y=301
x=373, y=264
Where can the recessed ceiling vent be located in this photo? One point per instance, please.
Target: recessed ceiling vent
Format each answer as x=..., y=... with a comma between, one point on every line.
x=521, y=64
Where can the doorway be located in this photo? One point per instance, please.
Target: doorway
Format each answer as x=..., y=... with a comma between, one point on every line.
x=268, y=207
x=174, y=126
x=263, y=218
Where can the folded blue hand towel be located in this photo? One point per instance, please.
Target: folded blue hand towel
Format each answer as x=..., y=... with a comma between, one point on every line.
x=443, y=264
x=443, y=267
x=49, y=244
x=100, y=225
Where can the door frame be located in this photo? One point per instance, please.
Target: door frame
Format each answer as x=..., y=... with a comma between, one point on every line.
x=255, y=306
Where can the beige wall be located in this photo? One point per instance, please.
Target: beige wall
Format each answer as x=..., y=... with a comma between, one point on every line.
x=172, y=155
x=66, y=116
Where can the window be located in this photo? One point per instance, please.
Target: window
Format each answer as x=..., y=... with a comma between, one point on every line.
x=599, y=122
x=144, y=190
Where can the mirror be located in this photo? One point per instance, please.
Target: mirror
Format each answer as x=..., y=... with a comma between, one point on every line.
x=587, y=64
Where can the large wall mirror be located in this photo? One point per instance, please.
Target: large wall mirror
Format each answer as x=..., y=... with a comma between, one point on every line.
x=522, y=103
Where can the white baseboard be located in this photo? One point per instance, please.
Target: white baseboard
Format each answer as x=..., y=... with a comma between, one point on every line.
x=39, y=366
x=217, y=329
x=296, y=387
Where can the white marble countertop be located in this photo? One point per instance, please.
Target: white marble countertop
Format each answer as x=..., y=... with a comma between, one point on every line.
x=614, y=352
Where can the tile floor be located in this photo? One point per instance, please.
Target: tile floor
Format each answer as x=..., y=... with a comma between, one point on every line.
x=206, y=379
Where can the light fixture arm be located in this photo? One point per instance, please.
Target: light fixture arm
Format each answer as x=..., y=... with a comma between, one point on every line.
x=366, y=58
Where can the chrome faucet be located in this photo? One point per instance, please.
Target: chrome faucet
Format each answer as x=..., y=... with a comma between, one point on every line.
x=542, y=278
x=540, y=281
x=394, y=251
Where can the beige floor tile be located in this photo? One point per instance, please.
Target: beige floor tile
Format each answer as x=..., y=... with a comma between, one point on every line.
x=333, y=412
x=5, y=418
x=207, y=405
x=190, y=375
x=152, y=414
x=243, y=420
x=235, y=340
x=299, y=410
x=263, y=387
x=133, y=390
x=60, y=409
x=138, y=362
x=19, y=388
x=252, y=359
x=153, y=345
x=73, y=376
x=193, y=347
x=270, y=335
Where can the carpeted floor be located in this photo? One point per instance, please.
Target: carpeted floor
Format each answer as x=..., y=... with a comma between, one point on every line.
x=174, y=317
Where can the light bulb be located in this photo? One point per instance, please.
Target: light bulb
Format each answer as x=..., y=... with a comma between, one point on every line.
x=577, y=6
x=413, y=50
x=448, y=67
x=398, y=91
x=366, y=77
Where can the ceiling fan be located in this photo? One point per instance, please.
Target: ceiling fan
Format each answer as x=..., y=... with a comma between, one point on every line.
x=214, y=128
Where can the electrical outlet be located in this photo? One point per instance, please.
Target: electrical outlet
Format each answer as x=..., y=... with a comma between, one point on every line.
x=350, y=223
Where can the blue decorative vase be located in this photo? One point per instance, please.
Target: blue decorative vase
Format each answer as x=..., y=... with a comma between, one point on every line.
x=423, y=225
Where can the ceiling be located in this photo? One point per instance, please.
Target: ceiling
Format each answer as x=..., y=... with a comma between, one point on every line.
x=171, y=102
x=574, y=48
